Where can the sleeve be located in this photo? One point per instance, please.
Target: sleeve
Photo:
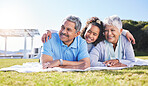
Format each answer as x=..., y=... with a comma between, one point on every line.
x=47, y=48
x=95, y=57
x=53, y=31
x=83, y=53
x=124, y=32
x=129, y=57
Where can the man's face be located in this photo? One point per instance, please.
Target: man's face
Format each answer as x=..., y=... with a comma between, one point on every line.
x=68, y=32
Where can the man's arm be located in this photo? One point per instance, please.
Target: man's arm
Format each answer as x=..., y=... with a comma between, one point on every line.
x=48, y=62
x=82, y=64
x=48, y=55
x=46, y=58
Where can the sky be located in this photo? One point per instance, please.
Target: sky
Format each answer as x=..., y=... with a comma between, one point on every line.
x=49, y=14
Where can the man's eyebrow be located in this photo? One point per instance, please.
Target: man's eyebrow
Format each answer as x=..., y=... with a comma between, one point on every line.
x=63, y=26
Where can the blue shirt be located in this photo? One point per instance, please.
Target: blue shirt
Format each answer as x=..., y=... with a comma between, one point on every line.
x=58, y=50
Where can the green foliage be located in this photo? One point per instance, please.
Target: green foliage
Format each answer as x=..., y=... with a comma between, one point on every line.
x=131, y=22
x=145, y=28
x=135, y=76
x=139, y=29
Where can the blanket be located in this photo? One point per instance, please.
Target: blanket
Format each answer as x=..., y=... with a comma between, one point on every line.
x=37, y=67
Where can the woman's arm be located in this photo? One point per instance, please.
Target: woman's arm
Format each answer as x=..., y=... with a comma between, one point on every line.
x=95, y=56
x=129, y=55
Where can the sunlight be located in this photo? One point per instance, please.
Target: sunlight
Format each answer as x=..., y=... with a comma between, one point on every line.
x=13, y=16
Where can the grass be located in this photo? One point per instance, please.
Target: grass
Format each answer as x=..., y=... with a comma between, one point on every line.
x=136, y=76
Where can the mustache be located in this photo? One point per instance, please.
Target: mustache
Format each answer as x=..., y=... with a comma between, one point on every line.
x=64, y=34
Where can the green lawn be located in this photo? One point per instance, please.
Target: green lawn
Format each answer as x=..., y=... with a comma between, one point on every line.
x=136, y=76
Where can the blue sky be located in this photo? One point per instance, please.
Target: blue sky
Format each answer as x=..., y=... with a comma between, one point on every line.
x=49, y=14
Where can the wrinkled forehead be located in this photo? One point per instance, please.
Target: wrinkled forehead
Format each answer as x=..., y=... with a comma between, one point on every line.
x=110, y=27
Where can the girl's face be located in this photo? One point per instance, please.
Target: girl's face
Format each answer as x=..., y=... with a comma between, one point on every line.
x=92, y=33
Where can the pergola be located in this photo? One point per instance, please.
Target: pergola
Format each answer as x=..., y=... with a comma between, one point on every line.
x=19, y=33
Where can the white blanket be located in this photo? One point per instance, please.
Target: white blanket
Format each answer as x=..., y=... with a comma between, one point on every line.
x=37, y=67
x=141, y=62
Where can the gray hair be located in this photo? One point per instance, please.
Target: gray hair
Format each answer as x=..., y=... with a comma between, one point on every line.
x=113, y=20
x=75, y=20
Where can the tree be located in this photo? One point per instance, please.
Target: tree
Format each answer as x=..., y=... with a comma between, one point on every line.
x=139, y=29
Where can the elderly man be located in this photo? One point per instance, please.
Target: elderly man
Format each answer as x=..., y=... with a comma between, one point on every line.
x=66, y=49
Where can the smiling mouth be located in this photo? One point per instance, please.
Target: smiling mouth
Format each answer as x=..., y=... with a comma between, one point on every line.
x=89, y=40
x=109, y=37
x=63, y=36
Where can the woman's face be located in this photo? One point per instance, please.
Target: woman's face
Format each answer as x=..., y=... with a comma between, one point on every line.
x=112, y=33
x=92, y=34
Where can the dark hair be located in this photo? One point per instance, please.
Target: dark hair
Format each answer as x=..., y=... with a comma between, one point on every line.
x=96, y=22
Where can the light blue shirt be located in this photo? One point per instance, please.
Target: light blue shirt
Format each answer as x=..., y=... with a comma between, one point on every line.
x=99, y=53
x=58, y=50
x=111, y=53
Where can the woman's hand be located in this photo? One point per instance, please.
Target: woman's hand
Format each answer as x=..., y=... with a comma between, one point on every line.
x=111, y=62
x=45, y=36
x=114, y=63
x=119, y=65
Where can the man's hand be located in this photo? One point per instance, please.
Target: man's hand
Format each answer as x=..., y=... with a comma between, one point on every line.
x=111, y=62
x=130, y=37
x=45, y=36
x=51, y=64
x=83, y=66
x=80, y=66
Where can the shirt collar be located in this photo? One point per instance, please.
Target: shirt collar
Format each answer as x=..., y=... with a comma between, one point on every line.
x=73, y=45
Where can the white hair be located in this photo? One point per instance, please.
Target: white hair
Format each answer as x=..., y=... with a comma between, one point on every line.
x=113, y=20
x=75, y=20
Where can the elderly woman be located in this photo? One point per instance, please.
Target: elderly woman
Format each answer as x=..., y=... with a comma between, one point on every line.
x=116, y=50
